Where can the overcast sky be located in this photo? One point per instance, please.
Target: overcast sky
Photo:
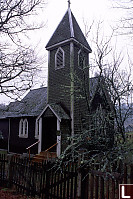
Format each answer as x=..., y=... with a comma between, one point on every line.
x=54, y=11
x=85, y=9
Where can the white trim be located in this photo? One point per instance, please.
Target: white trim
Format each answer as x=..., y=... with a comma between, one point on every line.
x=66, y=41
x=20, y=128
x=22, y=132
x=48, y=76
x=56, y=54
x=25, y=129
x=72, y=86
x=58, y=149
x=37, y=129
x=71, y=22
x=48, y=106
x=40, y=136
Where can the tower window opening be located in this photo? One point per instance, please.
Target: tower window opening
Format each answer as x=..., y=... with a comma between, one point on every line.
x=81, y=59
x=59, y=59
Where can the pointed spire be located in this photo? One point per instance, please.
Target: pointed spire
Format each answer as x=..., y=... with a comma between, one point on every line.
x=69, y=3
x=68, y=30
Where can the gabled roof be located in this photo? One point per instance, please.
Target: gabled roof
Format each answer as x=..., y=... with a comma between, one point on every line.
x=67, y=30
x=31, y=105
x=57, y=110
x=94, y=82
x=35, y=102
x=97, y=84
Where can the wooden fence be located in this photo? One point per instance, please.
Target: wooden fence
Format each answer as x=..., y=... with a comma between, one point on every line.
x=103, y=185
x=46, y=181
x=3, y=170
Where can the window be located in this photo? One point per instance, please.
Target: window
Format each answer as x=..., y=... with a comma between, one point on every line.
x=81, y=59
x=23, y=128
x=59, y=59
x=37, y=129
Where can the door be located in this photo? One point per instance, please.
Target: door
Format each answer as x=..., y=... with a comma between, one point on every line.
x=49, y=128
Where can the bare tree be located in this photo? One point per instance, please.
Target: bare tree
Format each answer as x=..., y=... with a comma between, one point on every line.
x=108, y=64
x=126, y=22
x=94, y=144
x=18, y=61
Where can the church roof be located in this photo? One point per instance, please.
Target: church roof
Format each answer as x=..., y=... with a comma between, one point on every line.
x=35, y=103
x=67, y=30
x=57, y=110
x=3, y=110
x=31, y=105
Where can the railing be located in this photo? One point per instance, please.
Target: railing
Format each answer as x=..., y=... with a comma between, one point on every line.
x=51, y=147
x=28, y=148
x=47, y=150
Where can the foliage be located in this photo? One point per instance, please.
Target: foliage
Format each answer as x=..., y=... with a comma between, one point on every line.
x=92, y=149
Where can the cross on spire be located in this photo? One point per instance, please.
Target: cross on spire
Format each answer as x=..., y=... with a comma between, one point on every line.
x=69, y=3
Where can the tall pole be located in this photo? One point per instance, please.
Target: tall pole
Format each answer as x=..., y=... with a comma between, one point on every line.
x=72, y=86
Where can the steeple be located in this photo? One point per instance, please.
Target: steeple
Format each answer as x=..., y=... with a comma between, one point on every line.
x=65, y=48
x=68, y=30
x=69, y=3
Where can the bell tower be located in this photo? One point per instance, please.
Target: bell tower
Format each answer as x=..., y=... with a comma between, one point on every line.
x=68, y=58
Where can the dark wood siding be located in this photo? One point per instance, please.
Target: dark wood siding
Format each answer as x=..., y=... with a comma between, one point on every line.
x=59, y=84
x=59, y=80
x=17, y=144
x=4, y=128
x=81, y=88
x=65, y=133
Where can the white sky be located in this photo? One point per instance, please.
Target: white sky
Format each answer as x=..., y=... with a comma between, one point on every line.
x=54, y=11
x=85, y=9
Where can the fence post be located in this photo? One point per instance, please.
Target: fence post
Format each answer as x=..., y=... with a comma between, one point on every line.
x=131, y=174
x=10, y=173
x=47, y=184
x=84, y=183
x=79, y=179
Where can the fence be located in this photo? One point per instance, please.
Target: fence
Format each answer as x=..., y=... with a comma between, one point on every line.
x=102, y=185
x=48, y=182
x=3, y=169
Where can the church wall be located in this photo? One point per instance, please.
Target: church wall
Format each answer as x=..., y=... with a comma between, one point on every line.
x=59, y=84
x=65, y=133
x=17, y=144
x=81, y=84
x=4, y=128
x=59, y=80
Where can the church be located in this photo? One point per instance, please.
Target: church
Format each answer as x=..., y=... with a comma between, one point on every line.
x=49, y=115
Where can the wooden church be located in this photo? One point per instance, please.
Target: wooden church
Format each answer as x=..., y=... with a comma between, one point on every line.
x=49, y=115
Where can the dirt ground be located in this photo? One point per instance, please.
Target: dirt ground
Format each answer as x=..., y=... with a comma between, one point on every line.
x=6, y=193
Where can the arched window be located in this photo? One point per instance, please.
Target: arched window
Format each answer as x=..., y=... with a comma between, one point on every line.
x=37, y=129
x=81, y=59
x=23, y=128
x=59, y=58
x=25, y=133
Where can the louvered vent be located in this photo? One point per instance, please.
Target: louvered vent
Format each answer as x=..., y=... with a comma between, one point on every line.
x=59, y=59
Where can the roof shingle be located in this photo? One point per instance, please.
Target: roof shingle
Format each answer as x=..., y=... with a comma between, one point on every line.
x=31, y=105
x=68, y=29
